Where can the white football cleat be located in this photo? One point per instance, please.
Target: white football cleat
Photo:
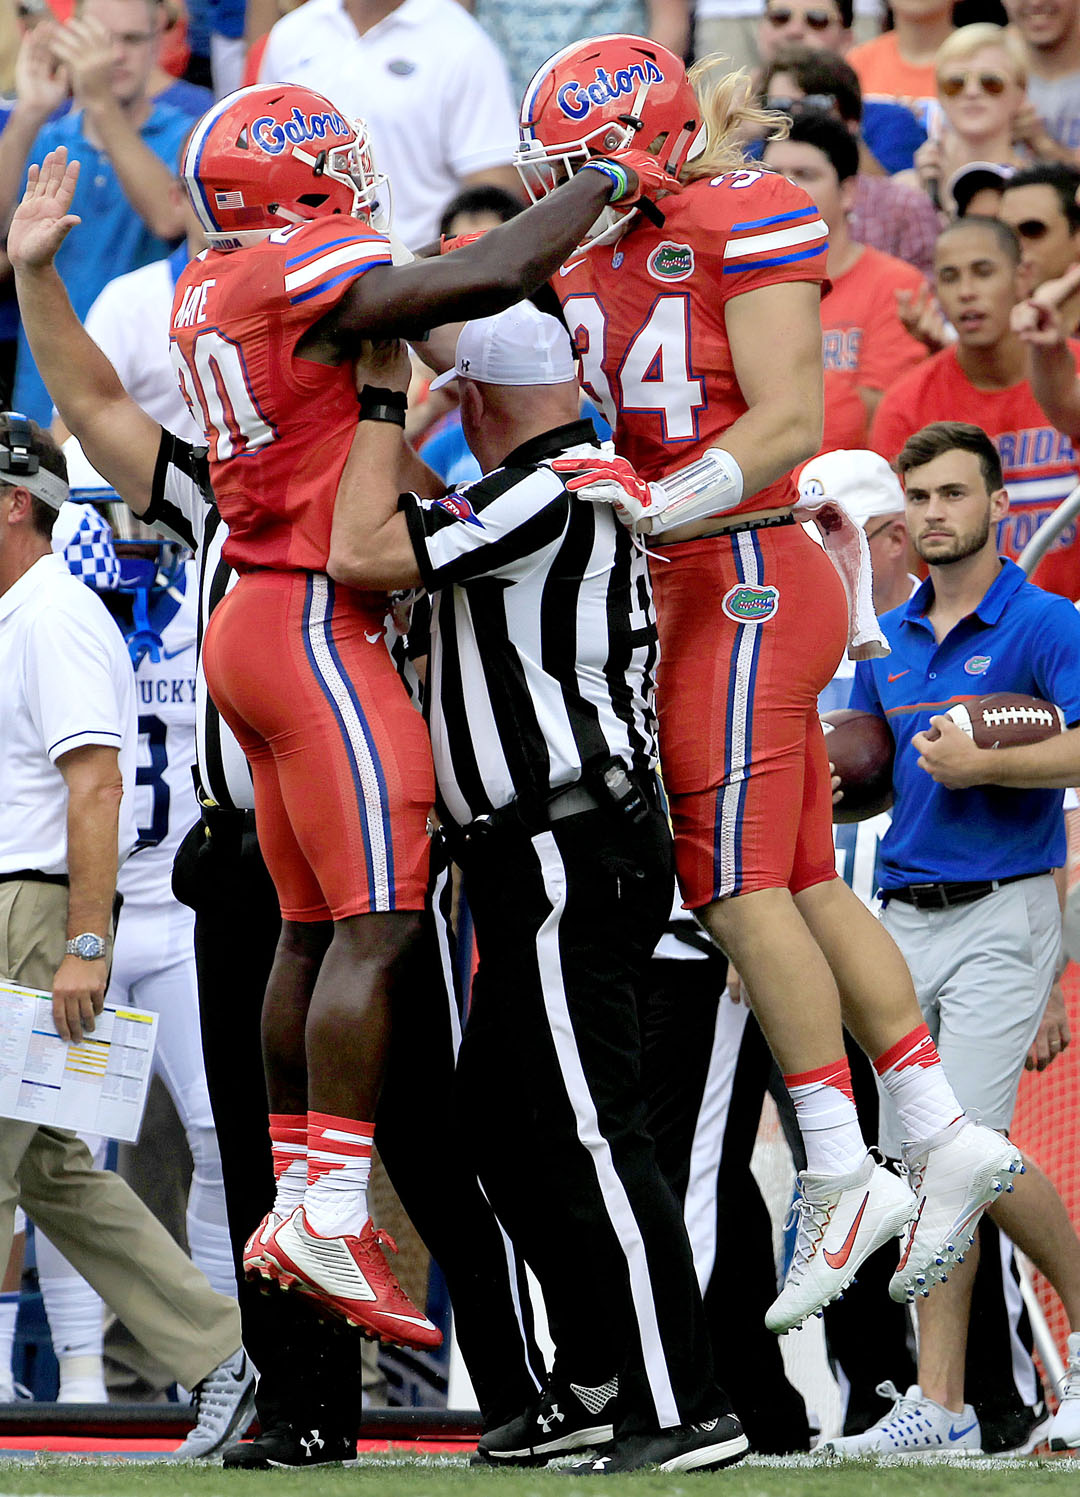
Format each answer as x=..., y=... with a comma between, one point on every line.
x=1065, y=1430
x=841, y=1220
x=914, y=1426
x=955, y=1175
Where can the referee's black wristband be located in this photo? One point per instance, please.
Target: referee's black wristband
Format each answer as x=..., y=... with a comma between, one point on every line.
x=378, y=404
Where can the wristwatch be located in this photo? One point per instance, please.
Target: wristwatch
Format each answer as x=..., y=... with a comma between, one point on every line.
x=90, y=947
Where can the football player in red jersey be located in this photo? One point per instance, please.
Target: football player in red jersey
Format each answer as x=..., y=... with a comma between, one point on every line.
x=265, y=325
x=700, y=338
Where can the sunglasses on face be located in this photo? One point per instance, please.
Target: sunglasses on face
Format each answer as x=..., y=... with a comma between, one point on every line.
x=1032, y=228
x=955, y=83
x=784, y=105
x=817, y=20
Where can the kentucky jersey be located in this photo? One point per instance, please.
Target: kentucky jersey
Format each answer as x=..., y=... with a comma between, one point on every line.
x=647, y=314
x=279, y=427
x=165, y=804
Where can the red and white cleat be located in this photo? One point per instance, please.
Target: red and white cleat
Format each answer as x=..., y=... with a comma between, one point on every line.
x=254, y=1259
x=349, y=1278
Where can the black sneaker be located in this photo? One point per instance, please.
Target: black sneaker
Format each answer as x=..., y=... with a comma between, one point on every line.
x=568, y=1417
x=291, y=1445
x=692, y=1447
x=1016, y=1432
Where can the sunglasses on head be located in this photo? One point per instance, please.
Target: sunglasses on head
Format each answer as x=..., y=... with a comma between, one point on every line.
x=954, y=84
x=817, y=20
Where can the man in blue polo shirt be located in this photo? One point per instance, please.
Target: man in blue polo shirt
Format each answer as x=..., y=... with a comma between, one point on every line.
x=966, y=876
x=127, y=143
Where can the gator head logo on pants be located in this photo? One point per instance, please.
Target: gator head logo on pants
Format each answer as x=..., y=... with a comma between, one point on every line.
x=747, y=604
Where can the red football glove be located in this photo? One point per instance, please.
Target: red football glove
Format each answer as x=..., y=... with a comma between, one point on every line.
x=608, y=481
x=651, y=177
x=458, y=241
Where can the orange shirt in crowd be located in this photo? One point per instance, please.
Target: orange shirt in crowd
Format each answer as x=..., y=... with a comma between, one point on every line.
x=864, y=343
x=884, y=74
x=1039, y=463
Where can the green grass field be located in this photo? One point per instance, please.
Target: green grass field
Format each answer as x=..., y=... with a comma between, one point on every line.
x=59, y=1476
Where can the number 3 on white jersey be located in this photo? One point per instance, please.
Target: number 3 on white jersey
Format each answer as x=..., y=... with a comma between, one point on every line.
x=655, y=371
x=219, y=396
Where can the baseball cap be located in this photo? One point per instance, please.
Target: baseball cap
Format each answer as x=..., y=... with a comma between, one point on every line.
x=521, y=346
x=967, y=180
x=861, y=482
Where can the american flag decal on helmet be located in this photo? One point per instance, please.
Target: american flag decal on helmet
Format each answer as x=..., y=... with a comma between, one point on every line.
x=229, y=199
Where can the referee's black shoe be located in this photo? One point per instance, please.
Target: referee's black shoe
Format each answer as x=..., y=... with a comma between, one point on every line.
x=290, y=1445
x=691, y=1447
x=568, y=1417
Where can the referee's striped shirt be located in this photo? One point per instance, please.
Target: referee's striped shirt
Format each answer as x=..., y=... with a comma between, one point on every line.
x=182, y=503
x=543, y=637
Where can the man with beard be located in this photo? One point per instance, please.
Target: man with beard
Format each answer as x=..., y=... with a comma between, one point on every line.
x=983, y=938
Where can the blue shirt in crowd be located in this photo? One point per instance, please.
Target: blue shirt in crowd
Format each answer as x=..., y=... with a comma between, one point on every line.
x=1019, y=639
x=111, y=239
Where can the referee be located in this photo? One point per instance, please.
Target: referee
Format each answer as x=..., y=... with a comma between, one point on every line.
x=540, y=681
x=309, y=1391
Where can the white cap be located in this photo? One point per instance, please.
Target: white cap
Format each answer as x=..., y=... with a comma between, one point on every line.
x=860, y=481
x=520, y=346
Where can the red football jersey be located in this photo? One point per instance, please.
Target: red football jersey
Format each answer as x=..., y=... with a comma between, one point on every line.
x=647, y=314
x=279, y=427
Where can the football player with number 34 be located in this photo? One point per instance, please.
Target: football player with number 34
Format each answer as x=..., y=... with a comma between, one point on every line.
x=699, y=333
x=266, y=324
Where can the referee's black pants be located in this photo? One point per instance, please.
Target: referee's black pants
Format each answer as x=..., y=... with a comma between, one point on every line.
x=310, y=1373
x=550, y=1077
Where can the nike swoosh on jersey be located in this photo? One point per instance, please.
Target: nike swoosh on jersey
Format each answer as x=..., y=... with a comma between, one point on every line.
x=843, y=1253
x=566, y=269
x=898, y=675
x=172, y=654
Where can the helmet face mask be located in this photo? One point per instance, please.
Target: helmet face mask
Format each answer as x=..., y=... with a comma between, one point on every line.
x=273, y=155
x=597, y=97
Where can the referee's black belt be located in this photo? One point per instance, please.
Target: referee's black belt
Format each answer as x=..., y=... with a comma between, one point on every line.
x=573, y=800
x=946, y=896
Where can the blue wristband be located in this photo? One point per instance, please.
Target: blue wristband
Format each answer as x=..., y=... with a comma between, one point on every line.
x=614, y=172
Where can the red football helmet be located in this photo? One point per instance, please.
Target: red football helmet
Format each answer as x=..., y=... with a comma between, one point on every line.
x=277, y=154
x=597, y=97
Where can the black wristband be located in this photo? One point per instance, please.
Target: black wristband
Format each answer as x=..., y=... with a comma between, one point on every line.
x=378, y=404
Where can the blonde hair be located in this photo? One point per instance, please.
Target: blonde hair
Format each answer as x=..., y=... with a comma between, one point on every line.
x=730, y=117
x=965, y=41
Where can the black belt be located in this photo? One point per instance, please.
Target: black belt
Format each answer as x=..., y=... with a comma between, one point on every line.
x=767, y=522
x=573, y=800
x=33, y=876
x=946, y=896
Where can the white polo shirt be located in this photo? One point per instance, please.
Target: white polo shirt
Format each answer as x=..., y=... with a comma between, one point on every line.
x=66, y=680
x=427, y=80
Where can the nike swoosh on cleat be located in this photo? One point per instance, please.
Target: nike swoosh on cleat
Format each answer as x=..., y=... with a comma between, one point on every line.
x=412, y=1319
x=957, y=1434
x=898, y=674
x=843, y=1253
x=911, y=1237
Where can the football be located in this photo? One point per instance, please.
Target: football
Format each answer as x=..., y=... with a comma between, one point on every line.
x=860, y=747
x=1007, y=719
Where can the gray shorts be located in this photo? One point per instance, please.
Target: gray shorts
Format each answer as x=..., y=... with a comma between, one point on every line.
x=982, y=973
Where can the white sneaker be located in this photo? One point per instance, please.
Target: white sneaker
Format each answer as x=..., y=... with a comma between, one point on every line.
x=914, y=1426
x=224, y=1402
x=841, y=1220
x=1065, y=1430
x=955, y=1175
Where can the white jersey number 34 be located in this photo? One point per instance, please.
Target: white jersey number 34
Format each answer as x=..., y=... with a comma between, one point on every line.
x=655, y=371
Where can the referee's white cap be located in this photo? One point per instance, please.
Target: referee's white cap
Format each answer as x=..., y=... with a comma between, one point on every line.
x=861, y=482
x=521, y=346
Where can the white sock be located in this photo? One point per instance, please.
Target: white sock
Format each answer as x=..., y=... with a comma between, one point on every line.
x=339, y=1163
x=912, y=1074
x=828, y=1122
x=207, y=1223
x=9, y=1312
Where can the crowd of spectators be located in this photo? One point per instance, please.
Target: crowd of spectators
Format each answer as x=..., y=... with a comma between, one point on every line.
x=939, y=142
